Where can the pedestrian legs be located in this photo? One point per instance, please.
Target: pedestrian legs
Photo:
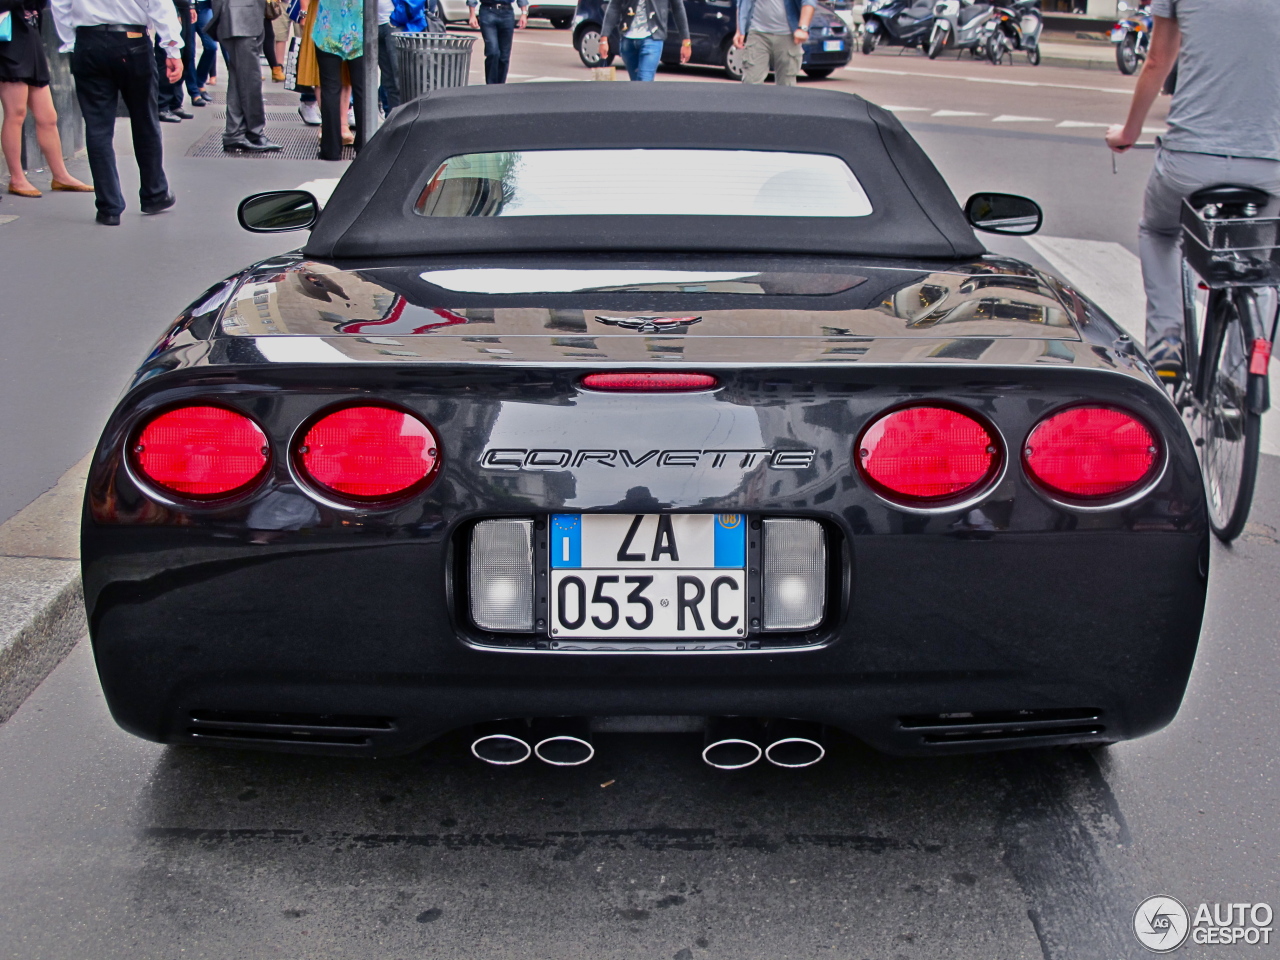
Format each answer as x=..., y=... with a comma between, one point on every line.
x=246, y=116
x=775, y=53
x=107, y=66
x=168, y=95
x=333, y=105
x=497, y=26
x=641, y=56
x=207, y=65
x=389, y=90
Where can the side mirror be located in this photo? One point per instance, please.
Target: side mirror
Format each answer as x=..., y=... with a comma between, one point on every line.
x=1003, y=213
x=278, y=211
x=1122, y=6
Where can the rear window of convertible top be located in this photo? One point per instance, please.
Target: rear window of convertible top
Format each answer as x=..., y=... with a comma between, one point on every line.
x=662, y=182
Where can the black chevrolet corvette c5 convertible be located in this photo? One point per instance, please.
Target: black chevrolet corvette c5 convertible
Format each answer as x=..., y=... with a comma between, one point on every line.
x=643, y=407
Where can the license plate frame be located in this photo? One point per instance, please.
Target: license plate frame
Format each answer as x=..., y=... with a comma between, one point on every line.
x=733, y=581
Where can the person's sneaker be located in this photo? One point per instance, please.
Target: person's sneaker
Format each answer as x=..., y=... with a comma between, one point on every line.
x=108, y=219
x=161, y=205
x=310, y=113
x=277, y=74
x=1165, y=355
x=168, y=116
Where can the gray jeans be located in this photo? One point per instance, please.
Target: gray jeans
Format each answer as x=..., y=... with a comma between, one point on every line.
x=771, y=51
x=1175, y=175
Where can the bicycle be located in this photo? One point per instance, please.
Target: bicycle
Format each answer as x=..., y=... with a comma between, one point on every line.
x=1230, y=286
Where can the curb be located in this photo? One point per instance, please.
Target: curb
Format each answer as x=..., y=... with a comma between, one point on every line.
x=41, y=600
x=42, y=618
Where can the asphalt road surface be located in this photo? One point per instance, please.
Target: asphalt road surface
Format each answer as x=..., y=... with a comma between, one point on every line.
x=113, y=847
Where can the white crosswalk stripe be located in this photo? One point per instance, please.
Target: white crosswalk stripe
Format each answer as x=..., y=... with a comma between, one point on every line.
x=1013, y=118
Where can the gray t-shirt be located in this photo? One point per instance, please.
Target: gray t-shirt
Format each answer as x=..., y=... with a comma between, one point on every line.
x=1227, y=99
x=769, y=16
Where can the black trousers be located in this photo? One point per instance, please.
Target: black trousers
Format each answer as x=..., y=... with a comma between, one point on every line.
x=497, y=26
x=333, y=112
x=389, y=90
x=109, y=66
x=168, y=95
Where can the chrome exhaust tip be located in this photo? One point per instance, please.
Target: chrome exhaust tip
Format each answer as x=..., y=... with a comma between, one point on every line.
x=731, y=743
x=795, y=744
x=501, y=744
x=563, y=741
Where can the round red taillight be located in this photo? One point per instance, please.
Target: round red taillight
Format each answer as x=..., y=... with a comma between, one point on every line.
x=649, y=382
x=922, y=454
x=369, y=453
x=202, y=452
x=1090, y=452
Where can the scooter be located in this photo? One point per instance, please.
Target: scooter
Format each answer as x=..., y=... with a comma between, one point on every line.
x=1015, y=27
x=898, y=23
x=959, y=25
x=1131, y=36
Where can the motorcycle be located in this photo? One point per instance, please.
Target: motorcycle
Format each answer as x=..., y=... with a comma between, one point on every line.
x=960, y=25
x=1015, y=27
x=1131, y=37
x=898, y=23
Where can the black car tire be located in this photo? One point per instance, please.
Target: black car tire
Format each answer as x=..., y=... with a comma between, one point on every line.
x=731, y=60
x=561, y=23
x=1127, y=55
x=819, y=73
x=587, y=43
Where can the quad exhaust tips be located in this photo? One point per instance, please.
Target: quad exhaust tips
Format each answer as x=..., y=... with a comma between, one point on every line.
x=734, y=743
x=559, y=741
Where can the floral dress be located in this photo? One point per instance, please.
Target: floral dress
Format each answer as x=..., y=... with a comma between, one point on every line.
x=339, y=28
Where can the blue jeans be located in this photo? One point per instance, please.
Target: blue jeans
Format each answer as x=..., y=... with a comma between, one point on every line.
x=497, y=26
x=641, y=56
x=207, y=65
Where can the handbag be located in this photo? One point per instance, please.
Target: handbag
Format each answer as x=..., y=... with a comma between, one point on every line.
x=291, y=63
x=6, y=26
x=274, y=10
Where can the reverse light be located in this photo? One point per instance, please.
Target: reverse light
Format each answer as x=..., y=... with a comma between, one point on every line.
x=1090, y=452
x=923, y=454
x=369, y=453
x=501, y=581
x=649, y=382
x=202, y=452
x=795, y=574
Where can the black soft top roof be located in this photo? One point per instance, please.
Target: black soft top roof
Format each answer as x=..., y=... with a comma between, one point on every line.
x=371, y=212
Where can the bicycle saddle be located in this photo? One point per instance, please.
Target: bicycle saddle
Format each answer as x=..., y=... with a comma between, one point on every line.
x=1227, y=193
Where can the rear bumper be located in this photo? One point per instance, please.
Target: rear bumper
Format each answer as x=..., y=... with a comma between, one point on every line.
x=1103, y=626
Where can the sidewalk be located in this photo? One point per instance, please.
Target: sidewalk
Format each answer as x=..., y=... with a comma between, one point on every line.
x=1089, y=56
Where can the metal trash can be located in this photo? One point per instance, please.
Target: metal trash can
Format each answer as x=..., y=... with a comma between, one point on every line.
x=429, y=61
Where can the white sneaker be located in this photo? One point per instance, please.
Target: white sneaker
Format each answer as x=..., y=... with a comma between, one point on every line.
x=351, y=117
x=310, y=113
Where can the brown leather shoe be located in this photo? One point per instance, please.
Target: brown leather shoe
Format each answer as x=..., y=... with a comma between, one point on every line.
x=24, y=191
x=71, y=187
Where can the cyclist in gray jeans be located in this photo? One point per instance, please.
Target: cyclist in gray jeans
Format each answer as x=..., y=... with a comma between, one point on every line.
x=1224, y=127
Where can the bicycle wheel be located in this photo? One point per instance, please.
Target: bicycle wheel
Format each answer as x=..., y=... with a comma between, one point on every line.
x=1230, y=431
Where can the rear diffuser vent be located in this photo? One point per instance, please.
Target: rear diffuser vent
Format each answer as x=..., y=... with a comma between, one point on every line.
x=322, y=729
x=996, y=725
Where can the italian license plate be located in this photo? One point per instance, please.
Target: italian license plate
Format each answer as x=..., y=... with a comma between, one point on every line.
x=832, y=45
x=667, y=576
x=1117, y=35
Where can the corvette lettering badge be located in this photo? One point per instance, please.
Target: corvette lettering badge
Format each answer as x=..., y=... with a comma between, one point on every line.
x=525, y=459
x=648, y=324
